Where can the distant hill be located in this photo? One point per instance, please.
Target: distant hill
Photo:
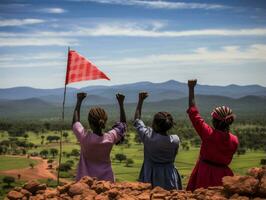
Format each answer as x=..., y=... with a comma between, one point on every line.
x=36, y=109
x=170, y=90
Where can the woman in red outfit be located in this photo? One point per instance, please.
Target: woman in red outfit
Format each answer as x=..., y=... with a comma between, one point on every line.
x=217, y=148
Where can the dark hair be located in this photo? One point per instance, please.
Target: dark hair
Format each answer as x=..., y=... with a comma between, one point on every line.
x=163, y=121
x=221, y=125
x=97, y=117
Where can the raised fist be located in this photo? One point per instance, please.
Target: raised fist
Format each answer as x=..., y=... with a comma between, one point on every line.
x=81, y=96
x=143, y=95
x=192, y=83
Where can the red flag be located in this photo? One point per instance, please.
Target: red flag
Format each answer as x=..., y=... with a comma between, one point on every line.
x=80, y=69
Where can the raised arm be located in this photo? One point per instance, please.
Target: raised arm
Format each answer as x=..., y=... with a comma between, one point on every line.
x=120, y=98
x=191, y=86
x=142, y=97
x=202, y=128
x=76, y=114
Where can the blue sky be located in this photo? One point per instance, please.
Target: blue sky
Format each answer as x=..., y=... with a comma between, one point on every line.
x=217, y=42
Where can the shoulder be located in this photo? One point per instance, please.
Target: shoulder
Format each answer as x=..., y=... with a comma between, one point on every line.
x=234, y=139
x=138, y=123
x=174, y=139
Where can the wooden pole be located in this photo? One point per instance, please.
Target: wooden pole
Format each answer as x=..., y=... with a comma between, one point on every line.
x=61, y=132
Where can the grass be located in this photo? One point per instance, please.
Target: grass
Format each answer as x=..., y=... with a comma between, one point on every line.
x=185, y=160
x=10, y=162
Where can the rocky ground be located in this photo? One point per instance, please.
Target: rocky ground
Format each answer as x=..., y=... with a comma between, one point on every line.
x=252, y=186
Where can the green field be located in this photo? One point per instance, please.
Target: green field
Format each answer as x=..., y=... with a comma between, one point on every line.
x=8, y=163
x=185, y=160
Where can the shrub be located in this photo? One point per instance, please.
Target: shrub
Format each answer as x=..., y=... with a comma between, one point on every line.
x=74, y=152
x=129, y=162
x=263, y=161
x=65, y=167
x=120, y=157
x=8, y=180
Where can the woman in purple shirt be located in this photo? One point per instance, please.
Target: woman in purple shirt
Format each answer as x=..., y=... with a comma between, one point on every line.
x=96, y=146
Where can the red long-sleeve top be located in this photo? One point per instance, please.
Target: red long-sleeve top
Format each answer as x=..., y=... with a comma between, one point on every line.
x=216, y=153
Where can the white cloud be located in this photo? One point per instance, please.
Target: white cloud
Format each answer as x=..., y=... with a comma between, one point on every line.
x=53, y=10
x=19, y=22
x=136, y=30
x=160, y=4
x=120, y=30
x=28, y=41
x=227, y=54
x=31, y=56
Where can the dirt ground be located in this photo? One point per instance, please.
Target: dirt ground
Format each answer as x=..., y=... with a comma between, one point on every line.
x=40, y=171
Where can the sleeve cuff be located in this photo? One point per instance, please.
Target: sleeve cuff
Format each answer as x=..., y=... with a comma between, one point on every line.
x=76, y=125
x=138, y=123
x=192, y=109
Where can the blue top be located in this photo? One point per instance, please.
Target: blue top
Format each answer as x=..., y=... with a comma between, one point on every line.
x=159, y=156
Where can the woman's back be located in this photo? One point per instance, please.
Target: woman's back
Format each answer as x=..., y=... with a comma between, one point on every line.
x=161, y=148
x=159, y=156
x=95, y=151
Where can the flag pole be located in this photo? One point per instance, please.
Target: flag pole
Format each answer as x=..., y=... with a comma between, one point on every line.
x=61, y=132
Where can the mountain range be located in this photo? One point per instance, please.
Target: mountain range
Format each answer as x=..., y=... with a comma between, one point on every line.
x=33, y=103
x=170, y=90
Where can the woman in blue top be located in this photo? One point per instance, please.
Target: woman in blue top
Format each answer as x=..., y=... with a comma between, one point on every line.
x=160, y=149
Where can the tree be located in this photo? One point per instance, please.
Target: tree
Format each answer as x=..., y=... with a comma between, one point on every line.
x=263, y=161
x=129, y=162
x=8, y=180
x=65, y=167
x=71, y=162
x=65, y=135
x=42, y=139
x=31, y=165
x=185, y=146
x=26, y=136
x=54, y=152
x=44, y=153
x=120, y=157
x=75, y=152
x=3, y=149
x=241, y=151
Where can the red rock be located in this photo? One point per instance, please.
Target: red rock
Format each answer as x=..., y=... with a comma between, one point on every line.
x=34, y=186
x=88, y=194
x=77, y=189
x=235, y=188
x=25, y=193
x=237, y=197
x=255, y=172
x=88, y=180
x=159, y=193
x=101, y=197
x=144, y=195
x=262, y=187
x=101, y=186
x=64, y=188
x=240, y=184
x=50, y=193
x=13, y=195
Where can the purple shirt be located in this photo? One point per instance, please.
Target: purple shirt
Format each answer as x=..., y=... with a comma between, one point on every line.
x=95, y=151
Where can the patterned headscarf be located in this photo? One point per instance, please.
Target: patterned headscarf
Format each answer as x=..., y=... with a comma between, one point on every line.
x=224, y=114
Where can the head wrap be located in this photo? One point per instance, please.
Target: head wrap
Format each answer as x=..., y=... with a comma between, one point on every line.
x=224, y=114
